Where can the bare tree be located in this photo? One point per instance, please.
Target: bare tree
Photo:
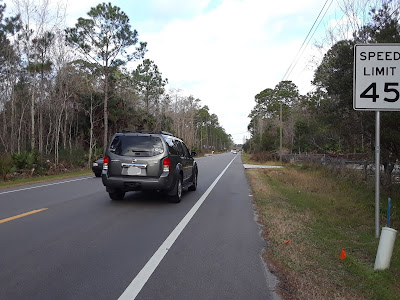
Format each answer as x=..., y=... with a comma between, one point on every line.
x=38, y=20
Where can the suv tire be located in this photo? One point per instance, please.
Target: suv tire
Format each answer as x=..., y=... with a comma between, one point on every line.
x=176, y=197
x=193, y=187
x=117, y=195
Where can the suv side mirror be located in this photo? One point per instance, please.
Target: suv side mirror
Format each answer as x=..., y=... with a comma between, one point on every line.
x=193, y=153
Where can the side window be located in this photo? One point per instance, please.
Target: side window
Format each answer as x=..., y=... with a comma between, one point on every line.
x=185, y=150
x=171, y=147
x=178, y=147
x=115, y=146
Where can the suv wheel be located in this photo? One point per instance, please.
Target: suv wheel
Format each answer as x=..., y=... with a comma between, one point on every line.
x=176, y=197
x=117, y=195
x=193, y=187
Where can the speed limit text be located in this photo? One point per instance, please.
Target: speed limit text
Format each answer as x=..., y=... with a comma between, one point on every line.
x=380, y=55
x=379, y=71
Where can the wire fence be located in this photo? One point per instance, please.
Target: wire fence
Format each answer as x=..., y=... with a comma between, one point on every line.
x=360, y=162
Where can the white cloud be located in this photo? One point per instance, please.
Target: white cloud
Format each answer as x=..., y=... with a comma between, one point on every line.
x=177, y=8
x=78, y=9
x=227, y=56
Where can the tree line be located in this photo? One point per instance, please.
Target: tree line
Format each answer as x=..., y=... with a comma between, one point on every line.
x=66, y=90
x=323, y=120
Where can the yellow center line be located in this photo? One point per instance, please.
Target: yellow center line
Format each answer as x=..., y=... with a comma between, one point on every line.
x=22, y=215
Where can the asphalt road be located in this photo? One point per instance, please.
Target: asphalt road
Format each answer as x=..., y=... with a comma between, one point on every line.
x=78, y=244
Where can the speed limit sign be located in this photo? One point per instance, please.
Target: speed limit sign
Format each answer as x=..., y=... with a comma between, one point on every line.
x=376, y=77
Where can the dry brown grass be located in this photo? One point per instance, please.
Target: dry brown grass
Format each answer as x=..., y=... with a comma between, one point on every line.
x=290, y=254
x=304, y=181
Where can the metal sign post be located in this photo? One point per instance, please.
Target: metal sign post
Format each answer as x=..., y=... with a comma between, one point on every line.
x=377, y=169
x=376, y=88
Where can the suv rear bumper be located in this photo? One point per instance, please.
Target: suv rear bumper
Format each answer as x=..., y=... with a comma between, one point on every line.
x=136, y=183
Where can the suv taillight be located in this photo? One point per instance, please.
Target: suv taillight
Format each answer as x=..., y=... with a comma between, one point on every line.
x=105, y=163
x=166, y=165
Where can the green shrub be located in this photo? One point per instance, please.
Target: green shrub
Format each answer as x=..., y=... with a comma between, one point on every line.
x=25, y=160
x=97, y=153
x=73, y=157
x=6, y=165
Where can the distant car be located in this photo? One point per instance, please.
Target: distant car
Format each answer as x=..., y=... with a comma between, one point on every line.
x=234, y=151
x=97, y=166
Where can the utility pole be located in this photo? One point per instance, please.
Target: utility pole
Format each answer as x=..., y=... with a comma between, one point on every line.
x=280, y=133
x=201, y=138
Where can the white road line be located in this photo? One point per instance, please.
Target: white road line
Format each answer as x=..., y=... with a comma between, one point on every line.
x=39, y=186
x=143, y=276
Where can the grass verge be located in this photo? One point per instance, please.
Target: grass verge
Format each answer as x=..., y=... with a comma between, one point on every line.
x=308, y=217
x=22, y=181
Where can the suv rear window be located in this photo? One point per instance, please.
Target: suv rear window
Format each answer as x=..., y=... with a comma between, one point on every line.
x=137, y=145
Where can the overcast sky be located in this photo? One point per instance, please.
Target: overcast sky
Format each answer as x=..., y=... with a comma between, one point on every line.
x=224, y=52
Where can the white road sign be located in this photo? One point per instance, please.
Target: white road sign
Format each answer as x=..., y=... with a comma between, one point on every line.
x=376, y=77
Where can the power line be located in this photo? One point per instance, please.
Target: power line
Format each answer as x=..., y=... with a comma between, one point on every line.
x=284, y=76
x=302, y=52
x=297, y=57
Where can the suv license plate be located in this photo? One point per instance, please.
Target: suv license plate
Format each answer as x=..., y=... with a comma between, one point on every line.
x=134, y=171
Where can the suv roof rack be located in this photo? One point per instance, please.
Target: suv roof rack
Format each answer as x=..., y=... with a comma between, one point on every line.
x=148, y=132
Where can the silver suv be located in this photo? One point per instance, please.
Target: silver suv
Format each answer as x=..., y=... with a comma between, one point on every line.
x=148, y=161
